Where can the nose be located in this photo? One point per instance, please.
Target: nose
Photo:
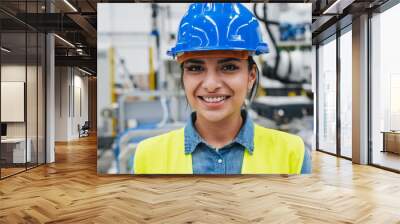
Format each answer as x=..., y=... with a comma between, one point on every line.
x=211, y=82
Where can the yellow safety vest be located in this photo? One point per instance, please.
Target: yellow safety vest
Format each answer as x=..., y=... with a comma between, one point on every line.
x=275, y=152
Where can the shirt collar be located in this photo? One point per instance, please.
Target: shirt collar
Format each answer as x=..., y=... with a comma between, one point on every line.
x=245, y=137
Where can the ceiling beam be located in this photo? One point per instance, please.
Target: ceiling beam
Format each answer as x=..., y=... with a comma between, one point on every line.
x=337, y=7
x=86, y=27
x=81, y=61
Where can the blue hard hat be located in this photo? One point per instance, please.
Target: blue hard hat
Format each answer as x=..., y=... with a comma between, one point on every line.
x=219, y=26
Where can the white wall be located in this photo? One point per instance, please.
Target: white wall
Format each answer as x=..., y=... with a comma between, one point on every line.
x=80, y=94
x=70, y=83
x=61, y=103
x=33, y=125
x=14, y=73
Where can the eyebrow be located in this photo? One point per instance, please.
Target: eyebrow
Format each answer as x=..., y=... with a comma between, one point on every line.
x=227, y=60
x=195, y=61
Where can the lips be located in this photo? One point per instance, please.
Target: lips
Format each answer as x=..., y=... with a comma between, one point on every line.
x=214, y=100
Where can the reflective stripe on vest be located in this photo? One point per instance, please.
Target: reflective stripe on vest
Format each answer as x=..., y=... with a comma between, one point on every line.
x=275, y=152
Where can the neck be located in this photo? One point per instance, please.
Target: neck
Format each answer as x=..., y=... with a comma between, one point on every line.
x=220, y=133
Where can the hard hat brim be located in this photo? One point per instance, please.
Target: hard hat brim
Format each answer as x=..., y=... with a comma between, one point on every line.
x=213, y=54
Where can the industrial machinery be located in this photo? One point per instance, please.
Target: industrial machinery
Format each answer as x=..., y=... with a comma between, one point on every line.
x=286, y=75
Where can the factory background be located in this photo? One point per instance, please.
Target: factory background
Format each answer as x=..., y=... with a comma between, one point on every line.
x=142, y=96
x=62, y=126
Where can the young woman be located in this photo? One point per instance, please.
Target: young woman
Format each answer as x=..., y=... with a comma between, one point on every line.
x=215, y=47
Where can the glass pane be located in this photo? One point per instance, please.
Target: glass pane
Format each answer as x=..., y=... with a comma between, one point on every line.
x=31, y=86
x=13, y=86
x=385, y=86
x=327, y=97
x=346, y=94
x=41, y=99
x=31, y=97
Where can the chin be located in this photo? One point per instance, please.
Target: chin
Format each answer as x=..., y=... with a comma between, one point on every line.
x=213, y=116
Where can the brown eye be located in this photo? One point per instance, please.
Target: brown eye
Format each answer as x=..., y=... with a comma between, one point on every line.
x=230, y=67
x=194, y=68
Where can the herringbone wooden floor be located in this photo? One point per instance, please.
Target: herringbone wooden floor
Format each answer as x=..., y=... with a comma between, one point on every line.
x=70, y=191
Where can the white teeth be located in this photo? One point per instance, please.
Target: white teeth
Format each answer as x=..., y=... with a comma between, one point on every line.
x=214, y=99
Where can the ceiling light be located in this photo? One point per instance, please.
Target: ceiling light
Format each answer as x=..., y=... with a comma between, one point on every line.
x=5, y=50
x=70, y=5
x=84, y=71
x=337, y=7
x=65, y=41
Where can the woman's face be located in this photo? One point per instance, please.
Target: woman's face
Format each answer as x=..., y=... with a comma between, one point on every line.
x=217, y=87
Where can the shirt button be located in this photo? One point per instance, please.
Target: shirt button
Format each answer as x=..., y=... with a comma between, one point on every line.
x=220, y=161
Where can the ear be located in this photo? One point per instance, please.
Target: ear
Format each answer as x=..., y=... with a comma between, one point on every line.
x=252, y=78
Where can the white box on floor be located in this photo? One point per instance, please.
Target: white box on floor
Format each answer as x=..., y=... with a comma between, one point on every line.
x=18, y=149
x=19, y=152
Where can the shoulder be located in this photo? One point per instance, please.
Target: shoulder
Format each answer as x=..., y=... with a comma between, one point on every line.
x=154, y=150
x=277, y=151
x=162, y=154
x=278, y=138
x=163, y=139
x=274, y=134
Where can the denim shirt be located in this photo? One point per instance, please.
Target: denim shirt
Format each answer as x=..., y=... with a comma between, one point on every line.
x=228, y=159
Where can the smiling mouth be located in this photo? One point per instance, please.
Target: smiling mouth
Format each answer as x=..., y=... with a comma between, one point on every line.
x=213, y=99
